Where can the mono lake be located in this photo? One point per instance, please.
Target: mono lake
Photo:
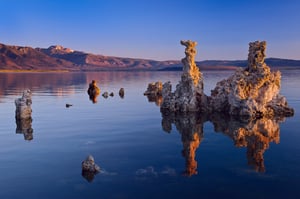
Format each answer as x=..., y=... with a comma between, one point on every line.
x=142, y=154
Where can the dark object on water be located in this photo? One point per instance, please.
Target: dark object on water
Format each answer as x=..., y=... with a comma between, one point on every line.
x=121, y=93
x=111, y=94
x=105, y=94
x=68, y=105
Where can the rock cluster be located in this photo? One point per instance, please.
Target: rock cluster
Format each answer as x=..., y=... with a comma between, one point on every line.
x=106, y=94
x=188, y=96
x=89, y=168
x=251, y=92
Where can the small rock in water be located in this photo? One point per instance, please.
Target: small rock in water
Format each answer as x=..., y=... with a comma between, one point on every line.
x=121, y=92
x=93, y=91
x=111, y=94
x=68, y=105
x=89, y=168
x=105, y=94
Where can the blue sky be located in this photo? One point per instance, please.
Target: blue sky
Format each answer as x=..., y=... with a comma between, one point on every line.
x=152, y=29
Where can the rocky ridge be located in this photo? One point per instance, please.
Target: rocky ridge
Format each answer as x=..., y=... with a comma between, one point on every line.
x=57, y=57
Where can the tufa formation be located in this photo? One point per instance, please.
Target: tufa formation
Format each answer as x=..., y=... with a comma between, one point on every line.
x=252, y=92
x=93, y=91
x=23, y=115
x=188, y=96
x=23, y=106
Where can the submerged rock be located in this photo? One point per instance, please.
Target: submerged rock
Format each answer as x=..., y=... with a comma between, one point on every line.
x=188, y=96
x=251, y=92
x=89, y=168
x=23, y=106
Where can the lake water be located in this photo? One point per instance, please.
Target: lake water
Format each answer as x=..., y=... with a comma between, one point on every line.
x=141, y=153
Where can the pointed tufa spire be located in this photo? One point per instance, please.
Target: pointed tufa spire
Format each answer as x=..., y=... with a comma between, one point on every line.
x=188, y=96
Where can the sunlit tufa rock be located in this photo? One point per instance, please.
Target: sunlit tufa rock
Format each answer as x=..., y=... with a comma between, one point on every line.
x=188, y=96
x=154, y=89
x=154, y=92
x=93, y=91
x=251, y=92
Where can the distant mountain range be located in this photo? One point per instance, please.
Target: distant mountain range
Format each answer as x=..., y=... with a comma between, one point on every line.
x=56, y=58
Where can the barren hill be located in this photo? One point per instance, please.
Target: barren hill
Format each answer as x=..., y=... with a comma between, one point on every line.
x=61, y=58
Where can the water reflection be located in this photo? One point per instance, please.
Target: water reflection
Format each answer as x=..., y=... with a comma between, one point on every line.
x=190, y=126
x=157, y=99
x=24, y=127
x=56, y=83
x=255, y=135
x=12, y=83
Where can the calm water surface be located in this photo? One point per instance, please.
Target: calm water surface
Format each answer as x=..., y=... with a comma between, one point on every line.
x=142, y=154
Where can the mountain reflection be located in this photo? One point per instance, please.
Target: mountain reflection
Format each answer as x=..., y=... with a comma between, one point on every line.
x=190, y=126
x=255, y=135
